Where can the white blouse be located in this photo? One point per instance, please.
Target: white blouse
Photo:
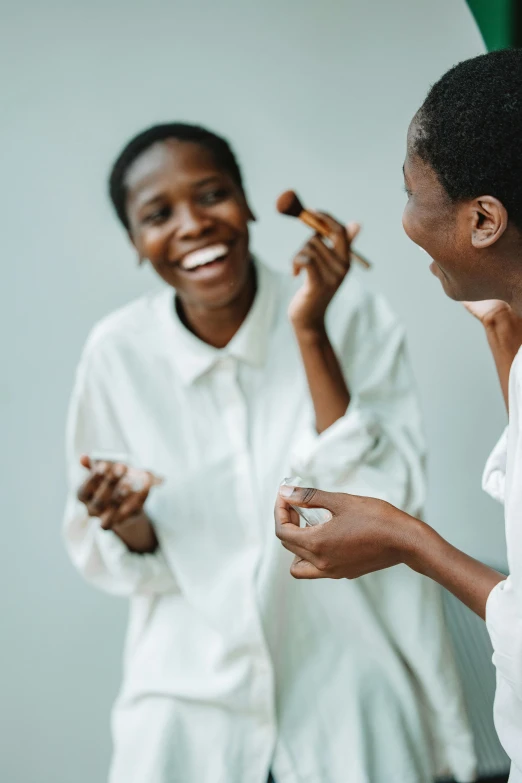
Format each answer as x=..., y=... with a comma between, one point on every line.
x=503, y=480
x=231, y=666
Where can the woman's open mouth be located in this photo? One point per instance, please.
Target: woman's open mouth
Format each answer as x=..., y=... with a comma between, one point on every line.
x=205, y=258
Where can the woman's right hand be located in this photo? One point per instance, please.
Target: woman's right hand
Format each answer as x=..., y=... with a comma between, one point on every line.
x=114, y=492
x=504, y=332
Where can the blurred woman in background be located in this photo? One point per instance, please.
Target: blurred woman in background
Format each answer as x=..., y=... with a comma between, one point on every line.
x=231, y=378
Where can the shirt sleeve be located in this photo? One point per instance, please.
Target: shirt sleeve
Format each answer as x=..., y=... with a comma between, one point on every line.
x=99, y=555
x=504, y=623
x=494, y=477
x=377, y=448
x=504, y=604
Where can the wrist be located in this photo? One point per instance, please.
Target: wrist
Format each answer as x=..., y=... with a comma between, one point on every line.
x=138, y=533
x=310, y=332
x=422, y=548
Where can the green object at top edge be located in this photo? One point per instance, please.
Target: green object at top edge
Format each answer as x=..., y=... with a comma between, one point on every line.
x=495, y=19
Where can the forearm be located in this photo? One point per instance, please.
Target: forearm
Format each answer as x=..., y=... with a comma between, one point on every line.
x=328, y=388
x=138, y=534
x=469, y=580
x=504, y=334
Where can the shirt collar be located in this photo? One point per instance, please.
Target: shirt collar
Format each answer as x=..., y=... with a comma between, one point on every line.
x=194, y=358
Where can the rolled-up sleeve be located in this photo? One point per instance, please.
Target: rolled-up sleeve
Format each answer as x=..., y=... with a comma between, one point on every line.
x=101, y=556
x=503, y=480
x=504, y=623
x=377, y=448
x=494, y=476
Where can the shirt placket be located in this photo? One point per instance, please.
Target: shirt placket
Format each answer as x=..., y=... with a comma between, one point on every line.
x=234, y=411
x=235, y=416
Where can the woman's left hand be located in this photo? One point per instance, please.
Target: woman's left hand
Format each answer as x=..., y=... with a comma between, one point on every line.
x=363, y=535
x=326, y=267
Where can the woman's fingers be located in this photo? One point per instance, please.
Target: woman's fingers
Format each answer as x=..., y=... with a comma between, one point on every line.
x=108, y=518
x=331, y=266
x=92, y=482
x=352, y=230
x=302, y=260
x=488, y=307
x=132, y=506
x=341, y=235
x=308, y=497
x=305, y=259
x=285, y=514
x=302, y=569
x=121, y=513
x=113, y=491
x=321, y=263
x=304, y=542
x=338, y=234
x=103, y=497
x=130, y=495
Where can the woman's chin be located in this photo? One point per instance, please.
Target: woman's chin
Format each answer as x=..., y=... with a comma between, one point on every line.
x=446, y=284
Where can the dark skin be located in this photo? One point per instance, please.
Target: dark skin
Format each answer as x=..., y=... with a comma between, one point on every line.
x=325, y=269
x=180, y=202
x=116, y=494
x=503, y=329
x=477, y=256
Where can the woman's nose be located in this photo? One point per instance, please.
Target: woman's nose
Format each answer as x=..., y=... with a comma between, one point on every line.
x=191, y=222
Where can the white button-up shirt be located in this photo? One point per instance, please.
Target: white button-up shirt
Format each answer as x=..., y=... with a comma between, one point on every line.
x=503, y=480
x=231, y=666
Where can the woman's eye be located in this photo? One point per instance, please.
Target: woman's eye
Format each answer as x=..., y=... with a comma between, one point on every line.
x=407, y=191
x=214, y=196
x=158, y=216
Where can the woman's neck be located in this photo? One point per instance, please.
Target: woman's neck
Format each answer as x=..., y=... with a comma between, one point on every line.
x=508, y=261
x=217, y=326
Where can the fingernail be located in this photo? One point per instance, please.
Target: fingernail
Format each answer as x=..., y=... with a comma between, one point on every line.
x=286, y=491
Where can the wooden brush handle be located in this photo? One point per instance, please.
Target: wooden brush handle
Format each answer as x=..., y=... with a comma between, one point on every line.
x=361, y=259
x=321, y=228
x=314, y=222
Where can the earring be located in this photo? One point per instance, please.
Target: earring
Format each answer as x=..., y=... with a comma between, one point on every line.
x=141, y=260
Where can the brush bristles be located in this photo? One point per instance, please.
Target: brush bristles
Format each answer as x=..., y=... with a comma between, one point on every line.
x=289, y=204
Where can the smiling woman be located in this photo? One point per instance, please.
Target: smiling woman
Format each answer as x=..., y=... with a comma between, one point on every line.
x=178, y=191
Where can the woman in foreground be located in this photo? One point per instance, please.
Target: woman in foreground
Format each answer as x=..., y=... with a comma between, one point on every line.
x=463, y=177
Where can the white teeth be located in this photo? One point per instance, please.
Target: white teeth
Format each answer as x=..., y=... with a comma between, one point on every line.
x=204, y=256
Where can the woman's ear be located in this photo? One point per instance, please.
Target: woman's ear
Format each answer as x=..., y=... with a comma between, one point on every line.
x=489, y=220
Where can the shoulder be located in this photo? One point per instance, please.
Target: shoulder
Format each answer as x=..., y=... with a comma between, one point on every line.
x=516, y=368
x=515, y=382
x=355, y=300
x=355, y=307
x=127, y=328
x=353, y=297
x=362, y=323
x=357, y=312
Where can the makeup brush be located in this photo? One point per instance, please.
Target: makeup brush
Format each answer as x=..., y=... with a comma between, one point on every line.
x=288, y=204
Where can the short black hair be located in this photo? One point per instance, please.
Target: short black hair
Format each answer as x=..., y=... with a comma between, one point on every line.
x=180, y=131
x=469, y=130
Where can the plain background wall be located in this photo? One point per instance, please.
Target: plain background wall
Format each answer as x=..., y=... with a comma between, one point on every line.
x=315, y=96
